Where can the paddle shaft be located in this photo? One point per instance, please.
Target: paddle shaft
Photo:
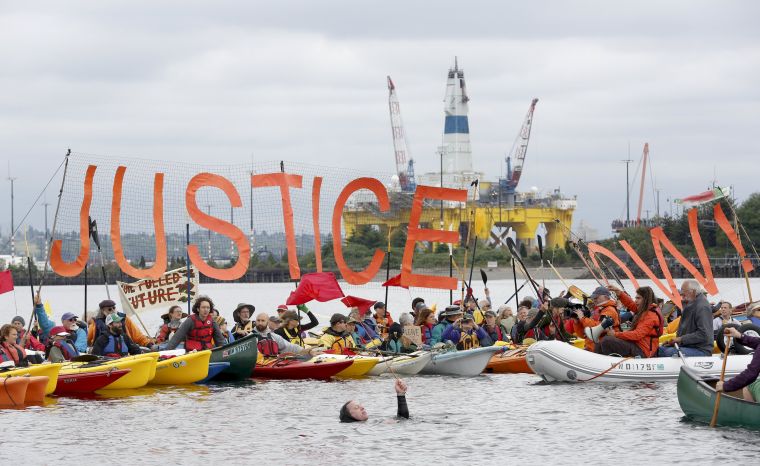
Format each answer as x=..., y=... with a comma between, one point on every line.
x=714, y=420
x=514, y=278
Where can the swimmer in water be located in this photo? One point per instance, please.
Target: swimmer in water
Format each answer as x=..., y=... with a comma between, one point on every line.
x=354, y=412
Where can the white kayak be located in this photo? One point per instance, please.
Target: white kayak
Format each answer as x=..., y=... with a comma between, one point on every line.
x=410, y=364
x=556, y=361
x=465, y=363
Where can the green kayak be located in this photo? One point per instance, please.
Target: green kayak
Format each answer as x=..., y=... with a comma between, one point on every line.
x=241, y=354
x=697, y=400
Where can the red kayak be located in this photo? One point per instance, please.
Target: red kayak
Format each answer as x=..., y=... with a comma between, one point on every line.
x=294, y=369
x=87, y=382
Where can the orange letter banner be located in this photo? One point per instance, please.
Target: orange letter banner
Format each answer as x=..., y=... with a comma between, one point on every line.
x=72, y=269
x=284, y=181
x=725, y=225
x=159, y=267
x=415, y=233
x=594, y=249
x=217, y=225
x=363, y=276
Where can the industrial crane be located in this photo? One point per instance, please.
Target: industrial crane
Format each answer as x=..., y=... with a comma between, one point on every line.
x=518, y=152
x=404, y=169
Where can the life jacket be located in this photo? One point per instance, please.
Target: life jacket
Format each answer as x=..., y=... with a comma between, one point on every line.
x=468, y=341
x=341, y=342
x=660, y=329
x=165, y=333
x=267, y=346
x=247, y=327
x=201, y=335
x=68, y=350
x=12, y=352
x=294, y=337
x=116, y=347
x=384, y=323
x=427, y=332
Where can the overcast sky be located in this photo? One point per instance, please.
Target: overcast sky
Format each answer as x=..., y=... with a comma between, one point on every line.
x=289, y=80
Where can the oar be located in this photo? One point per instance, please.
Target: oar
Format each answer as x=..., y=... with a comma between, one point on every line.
x=722, y=377
x=541, y=255
x=514, y=295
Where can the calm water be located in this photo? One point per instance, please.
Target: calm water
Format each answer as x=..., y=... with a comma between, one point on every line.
x=490, y=418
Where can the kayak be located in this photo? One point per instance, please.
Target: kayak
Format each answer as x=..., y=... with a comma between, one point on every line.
x=142, y=366
x=214, y=369
x=35, y=391
x=49, y=370
x=241, y=356
x=465, y=363
x=697, y=399
x=181, y=370
x=296, y=370
x=13, y=391
x=360, y=366
x=410, y=364
x=509, y=362
x=87, y=382
x=558, y=361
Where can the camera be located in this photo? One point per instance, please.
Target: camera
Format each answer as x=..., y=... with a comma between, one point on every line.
x=569, y=312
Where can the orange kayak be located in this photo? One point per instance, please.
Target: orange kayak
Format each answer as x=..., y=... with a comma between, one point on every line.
x=509, y=362
x=13, y=391
x=35, y=391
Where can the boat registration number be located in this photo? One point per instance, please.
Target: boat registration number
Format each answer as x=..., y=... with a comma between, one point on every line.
x=638, y=366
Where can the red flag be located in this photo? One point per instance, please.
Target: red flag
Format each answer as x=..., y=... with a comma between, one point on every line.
x=6, y=281
x=322, y=286
x=360, y=303
x=395, y=281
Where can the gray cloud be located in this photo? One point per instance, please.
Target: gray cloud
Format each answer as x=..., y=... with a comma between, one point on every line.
x=305, y=80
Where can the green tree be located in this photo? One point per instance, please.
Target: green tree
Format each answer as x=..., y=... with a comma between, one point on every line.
x=398, y=237
x=368, y=236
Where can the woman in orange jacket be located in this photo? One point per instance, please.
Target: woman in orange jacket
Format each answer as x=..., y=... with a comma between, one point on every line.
x=643, y=338
x=604, y=305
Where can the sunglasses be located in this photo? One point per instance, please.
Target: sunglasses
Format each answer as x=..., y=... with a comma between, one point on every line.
x=73, y=319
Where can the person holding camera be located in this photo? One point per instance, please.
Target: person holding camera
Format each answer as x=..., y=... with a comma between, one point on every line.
x=643, y=339
x=466, y=334
x=604, y=305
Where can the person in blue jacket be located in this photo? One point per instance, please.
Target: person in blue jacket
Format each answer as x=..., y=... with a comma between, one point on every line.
x=445, y=319
x=465, y=334
x=77, y=330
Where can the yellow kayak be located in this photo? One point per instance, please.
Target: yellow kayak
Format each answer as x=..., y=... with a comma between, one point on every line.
x=49, y=370
x=142, y=366
x=361, y=364
x=181, y=370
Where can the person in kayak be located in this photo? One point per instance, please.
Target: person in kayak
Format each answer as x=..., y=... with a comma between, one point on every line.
x=271, y=345
x=753, y=313
x=747, y=380
x=78, y=336
x=724, y=316
x=426, y=321
x=506, y=318
x=228, y=336
x=275, y=322
x=643, y=339
x=382, y=318
x=604, y=305
x=445, y=319
x=466, y=334
x=97, y=326
x=25, y=339
x=336, y=337
x=289, y=328
x=518, y=330
x=199, y=331
x=396, y=342
x=352, y=411
x=242, y=316
x=59, y=348
x=695, y=335
x=494, y=330
x=172, y=321
x=367, y=336
x=115, y=343
x=9, y=349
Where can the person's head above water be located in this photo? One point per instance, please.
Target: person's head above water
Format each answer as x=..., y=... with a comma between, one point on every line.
x=353, y=412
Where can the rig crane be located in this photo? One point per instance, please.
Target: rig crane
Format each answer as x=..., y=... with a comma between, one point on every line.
x=404, y=168
x=519, y=149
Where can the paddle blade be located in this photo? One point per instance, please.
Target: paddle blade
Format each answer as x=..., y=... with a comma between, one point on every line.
x=484, y=276
x=577, y=293
x=540, y=247
x=512, y=247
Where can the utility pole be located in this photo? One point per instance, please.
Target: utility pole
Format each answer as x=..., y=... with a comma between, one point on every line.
x=13, y=226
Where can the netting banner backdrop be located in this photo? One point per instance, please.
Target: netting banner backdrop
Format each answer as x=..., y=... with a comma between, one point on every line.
x=242, y=216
